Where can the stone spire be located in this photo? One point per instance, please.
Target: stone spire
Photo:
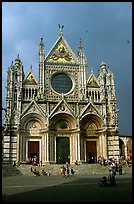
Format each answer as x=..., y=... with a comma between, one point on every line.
x=41, y=57
x=81, y=54
x=82, y=70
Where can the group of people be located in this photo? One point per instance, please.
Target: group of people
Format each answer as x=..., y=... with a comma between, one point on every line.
x=37, y=173
x=110, y=180
x=65, y=171
x=104, y=161
x=34, y=161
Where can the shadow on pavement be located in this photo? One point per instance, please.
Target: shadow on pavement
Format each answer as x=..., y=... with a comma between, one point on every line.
x=79, y=190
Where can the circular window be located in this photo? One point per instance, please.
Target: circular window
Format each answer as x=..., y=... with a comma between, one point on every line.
x=61, y=83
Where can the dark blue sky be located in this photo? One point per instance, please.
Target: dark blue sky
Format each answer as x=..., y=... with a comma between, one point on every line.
x=104, y=28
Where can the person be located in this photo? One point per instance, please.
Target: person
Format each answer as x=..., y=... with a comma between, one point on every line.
x=68, y=172
x=72, y=171
x=111, y=177
x=67, y=165
x=35, y=172
x=45, y=173
x=103, y=182
x=40, y=163
x=120, y=169
x=63, y=171
x=18, y=164
x=14, y=163
x=76, y=162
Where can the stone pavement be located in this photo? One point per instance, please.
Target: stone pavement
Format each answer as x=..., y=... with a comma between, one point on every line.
x=54, y=188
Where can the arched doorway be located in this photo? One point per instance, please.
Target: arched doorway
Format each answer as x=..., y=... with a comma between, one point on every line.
x=121, y=147
x=91, y=126
x=61, y=126
x=31, y=140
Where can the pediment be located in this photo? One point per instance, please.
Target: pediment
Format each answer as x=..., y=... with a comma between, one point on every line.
x=92, y=82
x=30, y=79
x=61, y=53
x=90, y=109
x=62, y=107
x=33, y=108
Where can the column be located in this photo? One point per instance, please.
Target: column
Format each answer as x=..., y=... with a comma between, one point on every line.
x=78, y=147
x=125, y=147
x=47, y=148
x=43, y=149
x=100, y=147
x=18, y=146
x=104, y=145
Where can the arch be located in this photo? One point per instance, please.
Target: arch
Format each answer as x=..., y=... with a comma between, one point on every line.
x=90, y=125
x=91, y=119
x=129, y=148
x=62, y=126
x=122, y=148
x=31, y=117
x=69, y=120
x=32, y=127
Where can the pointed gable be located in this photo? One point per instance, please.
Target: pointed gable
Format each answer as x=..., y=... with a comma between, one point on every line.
x=33, y=107
x=30, y=79
x=90, y=109
x=62, y=107
x=92, y=81
x=61, y=53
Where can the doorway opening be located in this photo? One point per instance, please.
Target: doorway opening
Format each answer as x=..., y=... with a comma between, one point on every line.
x=91, y=152
x=33, y=150
x=62, y=150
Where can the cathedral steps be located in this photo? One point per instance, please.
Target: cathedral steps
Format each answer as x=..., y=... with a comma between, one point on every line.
x=54, y=169
x=10, y=170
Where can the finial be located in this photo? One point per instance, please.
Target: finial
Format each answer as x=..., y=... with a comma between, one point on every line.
x=80, y=44
x=31, y=67
x=103, y=63
x=108, y=68
x=91, y=70
x=41, y=39
x=62, y=95
x=41, y=42
x=61, y=29
x=17, y=60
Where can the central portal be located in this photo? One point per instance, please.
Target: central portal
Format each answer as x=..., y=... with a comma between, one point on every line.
x=62, y=150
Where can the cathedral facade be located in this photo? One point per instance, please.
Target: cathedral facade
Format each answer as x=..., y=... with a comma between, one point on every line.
x=64, y=115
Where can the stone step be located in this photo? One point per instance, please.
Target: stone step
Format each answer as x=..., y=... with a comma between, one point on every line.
x=54, y=169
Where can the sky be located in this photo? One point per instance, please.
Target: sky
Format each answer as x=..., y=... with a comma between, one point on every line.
x=104, y=27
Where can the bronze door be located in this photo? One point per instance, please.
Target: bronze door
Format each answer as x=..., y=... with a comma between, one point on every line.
x=62, y=150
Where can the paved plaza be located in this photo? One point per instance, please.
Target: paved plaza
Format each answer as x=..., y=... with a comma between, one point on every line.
x=76, y=188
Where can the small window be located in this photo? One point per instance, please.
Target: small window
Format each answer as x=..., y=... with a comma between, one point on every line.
x=62, y=124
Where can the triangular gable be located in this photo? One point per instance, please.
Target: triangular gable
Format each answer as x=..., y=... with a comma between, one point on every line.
x=30, y=79
x=62, y=107
x=90, y=108
x=61, y=53
x=33, y=108
x=92, y=81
